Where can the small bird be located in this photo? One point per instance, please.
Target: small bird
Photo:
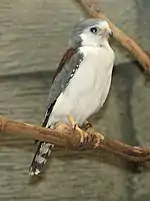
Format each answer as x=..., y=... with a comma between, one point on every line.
x=81, y=83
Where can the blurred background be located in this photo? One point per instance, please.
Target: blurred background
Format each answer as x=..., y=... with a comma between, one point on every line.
x=33, y=37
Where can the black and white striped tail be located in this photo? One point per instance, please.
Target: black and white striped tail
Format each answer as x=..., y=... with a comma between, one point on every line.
x=43, y=151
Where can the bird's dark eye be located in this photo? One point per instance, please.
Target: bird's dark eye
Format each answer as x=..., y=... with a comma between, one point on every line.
x=93, y=29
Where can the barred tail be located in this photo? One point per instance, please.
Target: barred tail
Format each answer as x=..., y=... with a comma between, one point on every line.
x=43, y=151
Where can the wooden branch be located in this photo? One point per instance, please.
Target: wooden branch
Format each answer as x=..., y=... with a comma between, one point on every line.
x=119, y=36
x=62, y=136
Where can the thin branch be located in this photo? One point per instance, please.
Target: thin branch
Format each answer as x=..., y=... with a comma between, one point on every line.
x=119, y=36
x=62, y=136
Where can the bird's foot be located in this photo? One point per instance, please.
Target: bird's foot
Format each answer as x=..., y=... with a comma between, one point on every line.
x=84, y=135
x=98, y=138
x=87, y=126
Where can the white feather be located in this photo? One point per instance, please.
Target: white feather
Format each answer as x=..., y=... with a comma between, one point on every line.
x=89, y=87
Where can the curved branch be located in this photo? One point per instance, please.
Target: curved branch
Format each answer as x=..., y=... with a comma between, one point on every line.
x=119, y=36
x=62, y=136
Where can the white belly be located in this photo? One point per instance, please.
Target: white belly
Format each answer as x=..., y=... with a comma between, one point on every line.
x=87, y=90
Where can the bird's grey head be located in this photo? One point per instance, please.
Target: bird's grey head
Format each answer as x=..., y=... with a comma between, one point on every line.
x=90, y=32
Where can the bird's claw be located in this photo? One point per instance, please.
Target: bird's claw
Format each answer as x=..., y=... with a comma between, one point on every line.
x=87, y=126
x=98, y=139
x=83, y=135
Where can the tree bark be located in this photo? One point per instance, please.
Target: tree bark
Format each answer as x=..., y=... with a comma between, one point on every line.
x=63, y=136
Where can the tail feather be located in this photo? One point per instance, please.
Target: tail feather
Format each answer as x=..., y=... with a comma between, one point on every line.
x=43, y=151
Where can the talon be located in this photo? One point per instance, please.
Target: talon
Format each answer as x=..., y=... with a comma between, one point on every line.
x=98, y=138
x=74, y=128
x=83, y=135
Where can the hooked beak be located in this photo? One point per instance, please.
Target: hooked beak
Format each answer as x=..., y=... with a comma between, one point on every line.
x=108, y=32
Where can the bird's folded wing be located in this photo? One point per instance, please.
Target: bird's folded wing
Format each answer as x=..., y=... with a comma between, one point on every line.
x=65, y=71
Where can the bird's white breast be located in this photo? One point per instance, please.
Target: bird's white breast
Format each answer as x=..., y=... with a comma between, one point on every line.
x=89, y=87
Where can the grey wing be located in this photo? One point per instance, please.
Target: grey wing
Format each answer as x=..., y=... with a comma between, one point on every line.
x=67, y=67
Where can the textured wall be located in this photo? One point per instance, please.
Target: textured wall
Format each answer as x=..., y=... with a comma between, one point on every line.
x=34, y=35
